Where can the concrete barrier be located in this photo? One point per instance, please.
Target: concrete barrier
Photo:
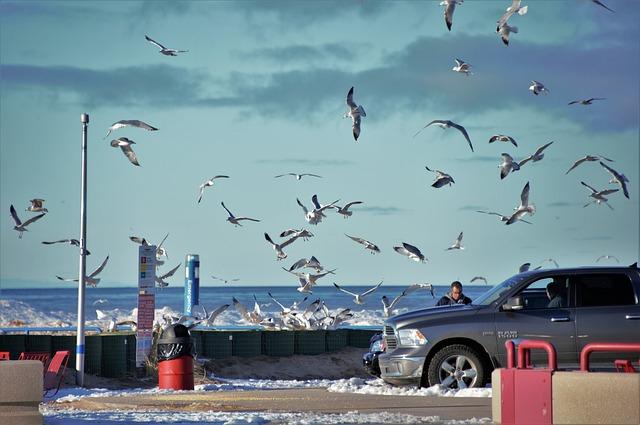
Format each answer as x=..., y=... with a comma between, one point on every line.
x=21, y=392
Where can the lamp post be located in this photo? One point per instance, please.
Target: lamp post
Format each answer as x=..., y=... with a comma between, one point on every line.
x=84, y=118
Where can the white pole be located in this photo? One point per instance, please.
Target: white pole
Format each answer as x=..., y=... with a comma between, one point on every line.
x=84, y=118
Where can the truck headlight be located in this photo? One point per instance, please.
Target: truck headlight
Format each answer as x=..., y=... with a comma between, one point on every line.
x=411, y=337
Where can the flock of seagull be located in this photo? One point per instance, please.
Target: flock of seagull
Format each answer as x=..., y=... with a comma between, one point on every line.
x=316, y=315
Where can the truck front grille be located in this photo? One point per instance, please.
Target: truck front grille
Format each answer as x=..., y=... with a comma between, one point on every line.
x=390, y=338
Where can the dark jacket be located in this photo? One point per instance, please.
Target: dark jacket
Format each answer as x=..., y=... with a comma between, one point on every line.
x=447, y=300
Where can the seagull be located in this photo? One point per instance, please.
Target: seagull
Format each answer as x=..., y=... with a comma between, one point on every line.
x=356, y=112
x=511, y=10
x=164, y=50
x=507, y=165
x=457, y=244
x=74, y=242
x=599, y=3
x=599, y=196
x=315, y=216
x=585, y=101
x=442, y=178
x=160, y=251
x=226, y=281
x=91, y=279
x=419, y=286
x=211, y=317
x=254, y=316
x=387, y=307
x=160, y=279
x=236, y=220
x=607, y=257
x=449, y=8
x=617, y=178
x=550, y=260
x=345, y=210
x=367, y=245
x=209, y=183
x=410, y=251
x=312, y=263
x=302, y=233
x=536, y=156
x=537, y=88
x=500, y=216
x=358, y=298
x=312, y=279
x=479, y=278
x=462, y=67
x=587, y=158
x=125, y=144
x=21, y=227
x=503, y=138
x=524, y=208
x=504, y=30
x=36, y=206
x=298, y=176
x=129, y=123
x=285, y=310
x=281, y=255
x=444, y=124
x=100, y=301
x=524, y=268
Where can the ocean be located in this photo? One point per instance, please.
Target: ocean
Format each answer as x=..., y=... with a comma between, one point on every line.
x=43, y=306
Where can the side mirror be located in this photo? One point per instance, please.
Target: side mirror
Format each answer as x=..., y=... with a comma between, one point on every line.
x=513, y=303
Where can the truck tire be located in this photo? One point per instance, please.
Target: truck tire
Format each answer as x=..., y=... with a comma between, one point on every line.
x=456, y=366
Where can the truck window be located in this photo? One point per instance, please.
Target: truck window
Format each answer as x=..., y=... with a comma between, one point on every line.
x=604, y=290
x=548, y=292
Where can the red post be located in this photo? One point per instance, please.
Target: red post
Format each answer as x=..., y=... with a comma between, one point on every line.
x=604, y=346
x=510, y=346
x=526, y=345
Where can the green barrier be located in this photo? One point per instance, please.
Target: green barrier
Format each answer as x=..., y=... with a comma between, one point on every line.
x=278, y=343
x=130, y=341
x=216, y=344
x=337, y=340
x=310, y=342
x=246, y=343
x=114, y=356
x=360, y=337
x=197, y=338
x=93, y=354
x=14, y=344
x=41, y=343
x=65, y=342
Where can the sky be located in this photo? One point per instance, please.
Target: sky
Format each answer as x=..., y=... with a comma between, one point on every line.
x=261, y=92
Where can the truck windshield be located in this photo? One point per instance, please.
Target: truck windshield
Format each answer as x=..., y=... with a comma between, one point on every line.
x=498, y=291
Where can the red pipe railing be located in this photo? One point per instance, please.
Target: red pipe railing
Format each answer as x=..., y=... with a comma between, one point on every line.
x=524, y=353
x=604, y=346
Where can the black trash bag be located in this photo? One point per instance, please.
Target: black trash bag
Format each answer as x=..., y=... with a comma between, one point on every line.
x=175, y=341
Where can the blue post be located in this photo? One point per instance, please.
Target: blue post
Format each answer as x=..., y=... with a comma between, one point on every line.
x=191, y=283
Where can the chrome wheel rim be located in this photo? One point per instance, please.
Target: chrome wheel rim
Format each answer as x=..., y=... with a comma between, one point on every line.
x=458, y=371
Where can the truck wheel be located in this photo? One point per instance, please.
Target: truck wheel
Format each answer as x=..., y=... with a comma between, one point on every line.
x=456, y=366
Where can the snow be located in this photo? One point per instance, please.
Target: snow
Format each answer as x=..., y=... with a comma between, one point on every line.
x=378, y=386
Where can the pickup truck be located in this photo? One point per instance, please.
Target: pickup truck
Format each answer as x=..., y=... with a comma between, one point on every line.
x=458, y=346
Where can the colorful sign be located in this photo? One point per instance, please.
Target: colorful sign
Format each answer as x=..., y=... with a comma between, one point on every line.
x=146, y=302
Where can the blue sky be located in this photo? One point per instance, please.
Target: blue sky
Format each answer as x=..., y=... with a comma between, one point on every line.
x=261, y=92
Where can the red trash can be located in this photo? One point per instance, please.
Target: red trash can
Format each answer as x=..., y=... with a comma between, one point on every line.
x=175, y=359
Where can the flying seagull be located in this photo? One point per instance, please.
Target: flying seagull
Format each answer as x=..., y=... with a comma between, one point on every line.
x=209, y=183
x=588, y=158
x=444, y=124
x=607, y=257
x=410, y=251
x=479, y=278
x=125, y=144
x=449, y=8
x=515, y=7
x=536, y=156
x=457, y=244
x=211, y=317
x=278, y=247
x=90, y=280
x=74, y=242
x=585, y=101
x=367, y=245
x=312, y=263
x=357, y=298
x=160, y=280
x=599, y=196
x=21, y=227
x=315, y=216
x=226, y=281
x=442, y=178
x=500, y=216
x=302, y=233
x=419, y=286
x=298, y=176
x=504, y=30
x=129, y=123
x=344, y=211
x=503, y=138
x=507, y=165
x=524, y=207
x=236, y=220
x=537, y=87
x=617, y=178
x=164, y=50
x=355, y=112
x=36, y=206
x=462, y=67
x=599, y=3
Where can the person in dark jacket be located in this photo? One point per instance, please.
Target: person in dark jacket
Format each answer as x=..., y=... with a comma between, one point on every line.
x=455, y=296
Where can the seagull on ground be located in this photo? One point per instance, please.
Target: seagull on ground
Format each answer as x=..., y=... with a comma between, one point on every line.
x=226, y=281
x=445, y=124
x=125, y=144
x=302, y=233
x=599, y=196
x=588, y=158
x=344, y=211
x=367, y=245
x=357, y=298
x=507, y=165
x=165, y=51
x=457, y=244
x=536, y=156
x=209, y=318
x=355, y=112
x=90, y=280
x=617, y=178
x=74, y=242
x=599, y=3
x=129, y=123
x=500, y=216
x=410, y=251
x=442, y=178
x=312, y=263
x=524, y=207
x=298, y=176
x=449, y=8
x=479, y=278
x=504, y=30
x=36, y=206
x=160, y=280
x=585, y=101
x=236, y=220
x=21, y=227
x=503, y=138
x=462, y=67
x=537, y=87
x=209, y=183
x=607, y=257
x=281, y=255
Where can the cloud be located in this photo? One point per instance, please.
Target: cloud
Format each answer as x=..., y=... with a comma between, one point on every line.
x=305, y=53
x=305, y=161
x=480, y=158
x=376, y=210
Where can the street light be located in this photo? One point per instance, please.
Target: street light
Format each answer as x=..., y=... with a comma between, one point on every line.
x=84, y=118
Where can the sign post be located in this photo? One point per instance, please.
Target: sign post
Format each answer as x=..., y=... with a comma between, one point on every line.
x=84, y=118
x=146, y=303
x=191, y=283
